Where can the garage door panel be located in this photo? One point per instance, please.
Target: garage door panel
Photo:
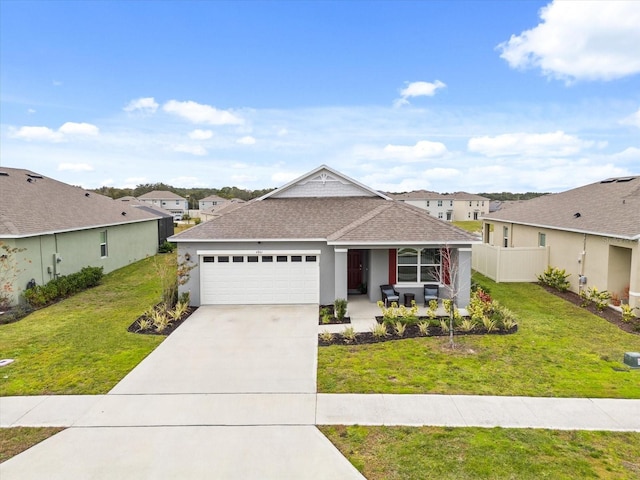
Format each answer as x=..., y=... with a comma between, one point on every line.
x=260, y=282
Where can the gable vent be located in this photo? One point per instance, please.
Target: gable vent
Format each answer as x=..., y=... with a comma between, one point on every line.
x=4, y=174
x=608, y=180
x=624, y=179
x=33, y=175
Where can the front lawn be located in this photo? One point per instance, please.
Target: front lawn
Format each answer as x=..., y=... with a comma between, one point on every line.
x=81, y=345
x=560, y=350
x=407, y=453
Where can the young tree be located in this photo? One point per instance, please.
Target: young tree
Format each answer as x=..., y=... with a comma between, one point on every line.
x=449, y=276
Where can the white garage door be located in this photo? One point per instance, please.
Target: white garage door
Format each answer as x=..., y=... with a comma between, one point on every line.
x=231, y=278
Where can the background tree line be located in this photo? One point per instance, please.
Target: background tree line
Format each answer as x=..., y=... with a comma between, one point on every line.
x=193, y=194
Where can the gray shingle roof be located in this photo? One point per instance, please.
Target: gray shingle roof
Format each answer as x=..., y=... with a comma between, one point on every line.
x=336, y=219
x=427, y=195
x=160, y=195
x=32, y=204
x=610, y=208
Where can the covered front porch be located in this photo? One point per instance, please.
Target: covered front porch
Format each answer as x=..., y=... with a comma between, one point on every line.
x=361, y=270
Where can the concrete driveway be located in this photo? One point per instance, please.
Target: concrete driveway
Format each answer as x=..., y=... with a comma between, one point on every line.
x=231, y=394
x=233, y=349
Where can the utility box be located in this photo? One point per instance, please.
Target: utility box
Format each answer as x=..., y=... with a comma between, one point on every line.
x=632, y=359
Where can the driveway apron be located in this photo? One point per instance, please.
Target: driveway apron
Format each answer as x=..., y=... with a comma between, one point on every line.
x=233, y=349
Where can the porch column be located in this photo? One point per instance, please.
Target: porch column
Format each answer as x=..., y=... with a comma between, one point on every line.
x=340, y=272
x=464, y=277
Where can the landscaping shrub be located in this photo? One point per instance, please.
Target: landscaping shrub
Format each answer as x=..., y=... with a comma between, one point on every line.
x=340, y=308
x=555, y=278
x=42, y=295
x=166, y=247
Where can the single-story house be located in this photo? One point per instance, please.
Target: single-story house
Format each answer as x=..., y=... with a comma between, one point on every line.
x=592, y=232
x=318, y=238
x=58, y=229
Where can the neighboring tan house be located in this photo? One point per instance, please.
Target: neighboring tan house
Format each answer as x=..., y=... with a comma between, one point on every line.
x=211, y=201
x=459, y=206
x=177, y=205
x=61, y=228
x=316, y=239
x=592, y=232
x=216, y=211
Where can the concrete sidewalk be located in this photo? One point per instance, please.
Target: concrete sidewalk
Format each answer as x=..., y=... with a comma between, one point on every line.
x=321, y=409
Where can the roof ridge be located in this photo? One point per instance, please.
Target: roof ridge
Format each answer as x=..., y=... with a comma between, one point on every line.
x=365, y=218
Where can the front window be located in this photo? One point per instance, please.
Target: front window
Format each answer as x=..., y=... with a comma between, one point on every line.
x=103, y=244
x=418, y=265
x=439, y=203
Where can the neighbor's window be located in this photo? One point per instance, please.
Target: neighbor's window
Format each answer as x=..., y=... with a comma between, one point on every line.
x=418, y=265
x=103, y=244
x=439, y=203
x=542, y=239
x=505, y=236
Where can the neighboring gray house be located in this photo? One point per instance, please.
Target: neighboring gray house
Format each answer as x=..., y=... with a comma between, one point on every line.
x=62, y=228
x=316, y=239
x=177, y=205
x=458, y=206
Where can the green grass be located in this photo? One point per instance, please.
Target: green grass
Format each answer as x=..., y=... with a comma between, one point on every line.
x=406, y=453
x=560, y=350
x=81, y=345
x=16, y=440
x=473, y=226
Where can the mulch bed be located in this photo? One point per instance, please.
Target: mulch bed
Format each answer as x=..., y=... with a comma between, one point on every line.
x=334, y=320
x=609, y=314
x=411, y=331
x=134, y=328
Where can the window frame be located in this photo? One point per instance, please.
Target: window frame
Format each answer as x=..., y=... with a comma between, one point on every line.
x=104, y=244
x=422, y=268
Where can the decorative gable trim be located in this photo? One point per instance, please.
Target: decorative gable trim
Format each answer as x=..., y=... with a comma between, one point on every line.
x=323, y=182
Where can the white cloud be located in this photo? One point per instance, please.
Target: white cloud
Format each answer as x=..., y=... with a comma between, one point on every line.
x=187, y=182
x=147, y=105
x=198, y=113
x=421, y=150
x=42, y=134
x=580, y=40
x=56, y=83
x=31, y=111
x=248, y=140
x=283, y=132
x=529, y=144
x=192, y=149
x=633, y=119
x=418, y=89
x=72, y=128
x=198, y=134
x=75, y=167
x=46, y=134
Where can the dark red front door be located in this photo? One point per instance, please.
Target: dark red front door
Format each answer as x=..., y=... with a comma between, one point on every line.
x=354, y=269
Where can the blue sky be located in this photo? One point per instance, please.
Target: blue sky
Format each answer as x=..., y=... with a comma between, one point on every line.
x=440, y=95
